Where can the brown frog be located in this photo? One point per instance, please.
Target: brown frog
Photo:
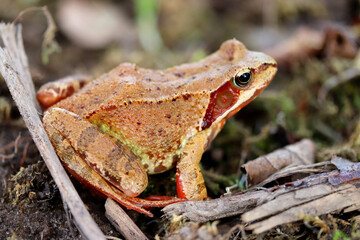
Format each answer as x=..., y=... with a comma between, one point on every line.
x=132, y=121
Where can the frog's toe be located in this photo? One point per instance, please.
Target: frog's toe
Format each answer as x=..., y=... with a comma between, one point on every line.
x=52, y=92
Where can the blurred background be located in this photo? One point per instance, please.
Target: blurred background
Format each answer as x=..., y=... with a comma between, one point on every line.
x=314, y=95
x=96, y=33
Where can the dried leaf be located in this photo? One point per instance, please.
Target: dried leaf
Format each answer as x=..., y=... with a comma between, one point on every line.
x=299, y=153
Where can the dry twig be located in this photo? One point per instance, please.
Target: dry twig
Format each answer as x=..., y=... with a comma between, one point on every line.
x=203, y=211
x=315, y=200
x=15, y=70
x=266, y=208
x=121, y=221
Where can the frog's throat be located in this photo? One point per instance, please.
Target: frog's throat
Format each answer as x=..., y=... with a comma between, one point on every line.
x=151, y=165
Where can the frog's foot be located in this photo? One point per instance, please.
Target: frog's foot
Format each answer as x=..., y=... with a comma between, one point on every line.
x=162, y=198
x=160, y=201
x=96, y=159
x=105, y=189
x=52, y=92
x=154, y=201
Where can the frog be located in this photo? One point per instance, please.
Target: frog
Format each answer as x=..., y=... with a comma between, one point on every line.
x=112, y=132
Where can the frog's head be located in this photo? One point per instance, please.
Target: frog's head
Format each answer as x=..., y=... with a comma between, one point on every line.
x=246, y=74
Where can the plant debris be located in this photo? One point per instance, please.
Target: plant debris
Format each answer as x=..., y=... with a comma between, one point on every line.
x=300, y=153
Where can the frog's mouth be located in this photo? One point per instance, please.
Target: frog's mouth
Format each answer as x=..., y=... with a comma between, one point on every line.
x=226, y=101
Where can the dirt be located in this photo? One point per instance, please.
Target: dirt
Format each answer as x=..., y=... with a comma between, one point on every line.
x=30, y=203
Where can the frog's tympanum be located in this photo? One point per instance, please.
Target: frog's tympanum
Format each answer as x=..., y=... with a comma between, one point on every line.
x=132, y=122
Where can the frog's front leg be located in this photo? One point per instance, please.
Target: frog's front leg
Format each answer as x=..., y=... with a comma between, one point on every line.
x=52, y=92
x=189, y=179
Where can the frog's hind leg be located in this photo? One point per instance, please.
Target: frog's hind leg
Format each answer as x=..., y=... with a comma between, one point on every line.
x=76, y=139
x=52, y=92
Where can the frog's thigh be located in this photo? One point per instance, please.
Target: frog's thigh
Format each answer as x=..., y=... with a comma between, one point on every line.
x=103, y=153
x=190, y=182
x=52, y=92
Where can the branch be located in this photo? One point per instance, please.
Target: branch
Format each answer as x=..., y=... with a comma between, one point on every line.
x=14, y=68
x=122, y=222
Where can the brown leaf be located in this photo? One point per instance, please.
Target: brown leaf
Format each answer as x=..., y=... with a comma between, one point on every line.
x=261, y=168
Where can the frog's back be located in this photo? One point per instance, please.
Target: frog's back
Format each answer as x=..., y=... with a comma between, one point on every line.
x=127, y=82
x=154, y=125
x=155, y=112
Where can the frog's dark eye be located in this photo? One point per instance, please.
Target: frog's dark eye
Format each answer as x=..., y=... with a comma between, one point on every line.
x=242, y=78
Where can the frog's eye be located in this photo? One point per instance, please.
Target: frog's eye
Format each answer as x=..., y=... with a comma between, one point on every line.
x=242, y=78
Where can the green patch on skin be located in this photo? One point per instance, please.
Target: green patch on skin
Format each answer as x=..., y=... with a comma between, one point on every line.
x=139, y=151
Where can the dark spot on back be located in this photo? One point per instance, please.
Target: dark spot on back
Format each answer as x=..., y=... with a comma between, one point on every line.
x=108, y=107
x=82, y=83
x=186, y=96
x=179, y=74
x=179, y=86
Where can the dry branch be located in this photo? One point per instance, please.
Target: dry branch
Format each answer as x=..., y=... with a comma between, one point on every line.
x=262, y=210
x=293, y=173
x=314, y=201
x=15, y=70
x=202, y=211
x=122, y=222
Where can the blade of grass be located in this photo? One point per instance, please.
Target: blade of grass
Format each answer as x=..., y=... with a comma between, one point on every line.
x=146, y=12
